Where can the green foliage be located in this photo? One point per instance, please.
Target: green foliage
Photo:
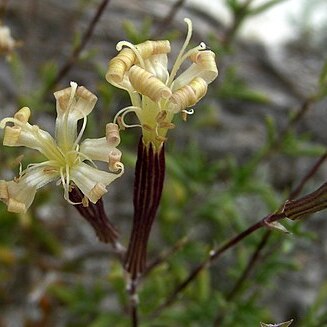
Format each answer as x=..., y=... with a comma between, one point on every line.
x=83, y=303
x=235, y=88
x=317, y=313
x=247, y=9
x=138, y=35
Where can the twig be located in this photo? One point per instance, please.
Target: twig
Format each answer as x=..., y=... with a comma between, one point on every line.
x=267, y=221
x=238, y=18
x=3, y=7
x=308, y=176
x=162, y=26
x=165, y=255
x=265, y=238
x=215, y=254
x=266, y=151
x=245, y=274
x=249, y=267
x=133, y=300
x=79, y=48
x=304, y=108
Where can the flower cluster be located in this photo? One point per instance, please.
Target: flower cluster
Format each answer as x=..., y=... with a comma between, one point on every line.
x=157, y=94
x=67, y=160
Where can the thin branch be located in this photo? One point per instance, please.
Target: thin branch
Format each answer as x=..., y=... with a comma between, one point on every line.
x=308, y=176
x=239, y=17
x=249, y=267
x=80, y=47
x=245, y=274
x=133, y=300
x=215, y=254
x=166, y=21
x=267, y=221
x=265, y=238
x=277, y=143
x=165, y=255
x=3, y=8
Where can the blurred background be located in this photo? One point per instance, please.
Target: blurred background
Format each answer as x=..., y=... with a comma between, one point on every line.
x=249, y=144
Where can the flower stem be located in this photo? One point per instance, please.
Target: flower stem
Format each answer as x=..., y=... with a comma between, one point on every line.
x=133, y=300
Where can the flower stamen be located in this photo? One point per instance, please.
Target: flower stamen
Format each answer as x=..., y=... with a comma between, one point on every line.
x=81, y=132
x=120, y=117
x=178, y=61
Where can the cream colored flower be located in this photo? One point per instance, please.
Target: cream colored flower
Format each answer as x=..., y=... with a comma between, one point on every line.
x=67, y=159
x=7, y=43
x=157, y=94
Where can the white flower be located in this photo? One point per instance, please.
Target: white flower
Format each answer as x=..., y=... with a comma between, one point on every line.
x=7, y=43
x=157, y=94
x=67, y=160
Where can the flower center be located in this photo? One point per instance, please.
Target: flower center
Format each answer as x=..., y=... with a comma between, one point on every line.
x=71, y=158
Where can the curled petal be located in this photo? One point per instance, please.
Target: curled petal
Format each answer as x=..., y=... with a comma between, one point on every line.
x=150, y=48
x=30, y=136
x=4, y=195
x=23, y=114
x=19, y=198
x=206, y=60
x=64, y=98
x=97, y=192
x=114, y=160
x=112, y=134
x=97, y=149
x=73, y=104
x=76, y=100
x=188, y=95
x=19, y=207
x=92, y=181
x=119, y=65
x=127, y=57
x=85, y=101
x=204, y=66
x=147, y=84
x=19, y=193
x=11, y=135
